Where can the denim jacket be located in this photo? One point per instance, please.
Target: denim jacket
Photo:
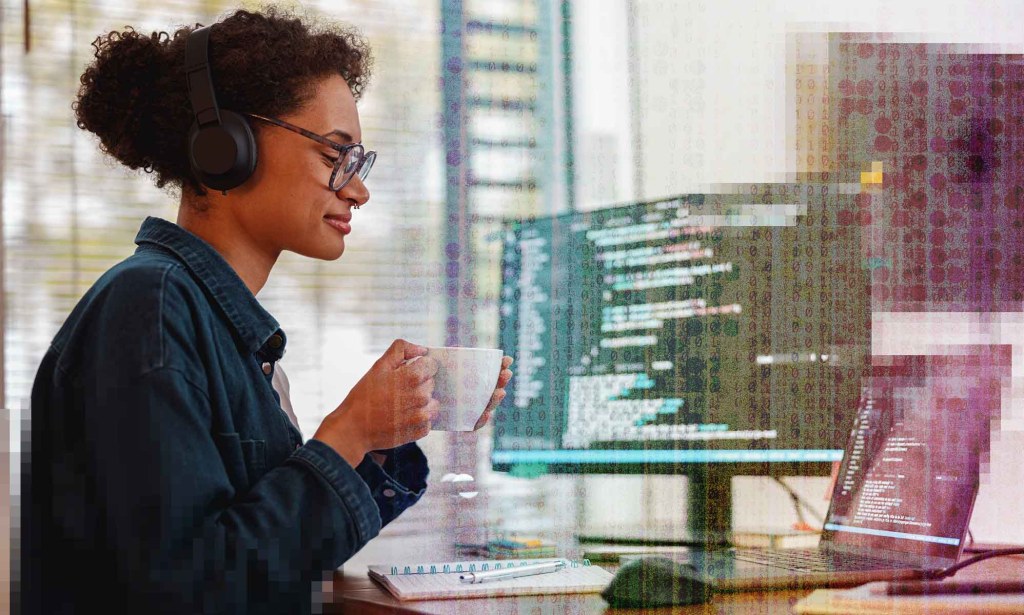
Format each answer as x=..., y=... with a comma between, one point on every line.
x=164, y=475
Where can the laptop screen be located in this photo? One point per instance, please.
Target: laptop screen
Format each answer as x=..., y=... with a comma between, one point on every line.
x=911, y=468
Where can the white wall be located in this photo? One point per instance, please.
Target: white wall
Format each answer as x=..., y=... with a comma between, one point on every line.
x=604, y=136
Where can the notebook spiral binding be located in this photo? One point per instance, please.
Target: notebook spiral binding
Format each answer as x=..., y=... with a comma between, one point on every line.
x=471, y=567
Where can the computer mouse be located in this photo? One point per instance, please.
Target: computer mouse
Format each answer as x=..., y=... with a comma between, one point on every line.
x=654, y=582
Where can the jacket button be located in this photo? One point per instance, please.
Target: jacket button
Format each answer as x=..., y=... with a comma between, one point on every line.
x=389, y=493
x=276, y=341
x=267, y=368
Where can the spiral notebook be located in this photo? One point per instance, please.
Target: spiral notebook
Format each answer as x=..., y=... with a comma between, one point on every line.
x=441, y=580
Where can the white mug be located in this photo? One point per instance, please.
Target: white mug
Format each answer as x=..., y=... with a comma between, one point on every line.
x=465, y=380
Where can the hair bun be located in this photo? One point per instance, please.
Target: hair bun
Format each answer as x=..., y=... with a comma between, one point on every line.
x=118, y=92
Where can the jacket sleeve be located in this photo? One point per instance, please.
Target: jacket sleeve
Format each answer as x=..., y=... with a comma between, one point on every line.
x=397, y=484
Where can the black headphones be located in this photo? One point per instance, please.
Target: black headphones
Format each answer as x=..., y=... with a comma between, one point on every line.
x=221, y=147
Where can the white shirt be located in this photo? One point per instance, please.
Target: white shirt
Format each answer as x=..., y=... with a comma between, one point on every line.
x=280, y=383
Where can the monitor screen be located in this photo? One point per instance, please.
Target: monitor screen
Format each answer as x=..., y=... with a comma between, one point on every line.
x=916, y=450
x=709, y=328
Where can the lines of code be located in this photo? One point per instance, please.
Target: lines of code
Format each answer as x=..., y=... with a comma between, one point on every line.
x=704, y=320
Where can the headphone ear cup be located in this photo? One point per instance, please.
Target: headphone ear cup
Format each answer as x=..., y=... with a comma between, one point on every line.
x=224, y=156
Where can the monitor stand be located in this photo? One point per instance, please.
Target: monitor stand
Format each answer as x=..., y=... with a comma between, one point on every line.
x=708, y=518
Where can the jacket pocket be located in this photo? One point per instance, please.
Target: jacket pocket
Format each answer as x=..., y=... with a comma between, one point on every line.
x=245, y=461
x=254, y=452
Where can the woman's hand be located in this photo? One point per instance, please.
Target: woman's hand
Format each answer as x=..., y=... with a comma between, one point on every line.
x=390, y=406
x=499, y=392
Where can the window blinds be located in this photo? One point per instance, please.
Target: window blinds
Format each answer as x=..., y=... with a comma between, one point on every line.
x=69, y=213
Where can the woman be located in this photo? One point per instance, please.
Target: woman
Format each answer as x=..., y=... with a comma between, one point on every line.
x=164, y=474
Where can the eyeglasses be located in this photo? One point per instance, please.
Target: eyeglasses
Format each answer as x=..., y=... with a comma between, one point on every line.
x=352, y=158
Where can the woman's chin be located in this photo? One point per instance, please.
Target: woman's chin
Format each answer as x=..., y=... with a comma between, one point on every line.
x=324, y=252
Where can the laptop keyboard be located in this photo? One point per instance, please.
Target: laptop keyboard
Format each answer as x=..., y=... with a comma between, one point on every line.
x=814, y=560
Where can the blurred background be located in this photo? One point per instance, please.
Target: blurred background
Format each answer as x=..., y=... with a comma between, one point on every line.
x=485, y=111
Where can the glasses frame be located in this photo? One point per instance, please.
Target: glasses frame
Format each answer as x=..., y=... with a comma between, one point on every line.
x=366, y=158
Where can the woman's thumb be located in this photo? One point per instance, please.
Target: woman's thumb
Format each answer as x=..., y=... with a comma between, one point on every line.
x=402, y=350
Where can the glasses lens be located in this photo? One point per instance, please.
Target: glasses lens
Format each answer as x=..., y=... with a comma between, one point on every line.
x=368, y=161
x=347, y=167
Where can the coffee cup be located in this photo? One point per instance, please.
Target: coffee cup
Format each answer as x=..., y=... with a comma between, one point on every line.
x=463, y=385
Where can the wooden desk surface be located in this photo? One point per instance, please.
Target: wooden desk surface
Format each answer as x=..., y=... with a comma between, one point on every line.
x=419, y=540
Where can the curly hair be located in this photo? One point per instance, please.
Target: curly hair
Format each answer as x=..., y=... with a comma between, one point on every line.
x=134, y=98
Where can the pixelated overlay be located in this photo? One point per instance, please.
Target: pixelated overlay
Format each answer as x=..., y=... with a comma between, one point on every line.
x=648, y=328
x=946, y=126
x=943, y=229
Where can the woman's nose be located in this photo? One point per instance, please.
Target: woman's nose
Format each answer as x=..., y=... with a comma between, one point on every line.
x=355, y=190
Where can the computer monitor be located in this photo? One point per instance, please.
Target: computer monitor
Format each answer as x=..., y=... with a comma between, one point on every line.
x=705, y=334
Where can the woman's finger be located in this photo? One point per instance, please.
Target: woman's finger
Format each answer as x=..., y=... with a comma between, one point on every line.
x=496, y=397
x=484, y=419
x=503, y=378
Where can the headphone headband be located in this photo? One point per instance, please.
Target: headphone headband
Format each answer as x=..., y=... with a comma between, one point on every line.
x=221, y=147
x=198, y=79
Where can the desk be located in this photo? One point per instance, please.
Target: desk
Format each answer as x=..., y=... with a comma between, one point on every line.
x=415, y=540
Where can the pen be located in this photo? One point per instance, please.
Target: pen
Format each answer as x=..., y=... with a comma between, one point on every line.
x=918, y=588
x=511, y=572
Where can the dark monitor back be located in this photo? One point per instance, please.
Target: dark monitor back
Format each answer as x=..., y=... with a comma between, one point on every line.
x=728, y=328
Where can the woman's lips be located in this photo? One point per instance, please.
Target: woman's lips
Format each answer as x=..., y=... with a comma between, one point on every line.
x=338, y=223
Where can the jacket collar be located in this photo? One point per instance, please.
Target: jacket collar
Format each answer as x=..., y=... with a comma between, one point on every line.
x=253, y=325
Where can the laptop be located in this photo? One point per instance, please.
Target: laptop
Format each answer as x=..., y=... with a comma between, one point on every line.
x=903, y=496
